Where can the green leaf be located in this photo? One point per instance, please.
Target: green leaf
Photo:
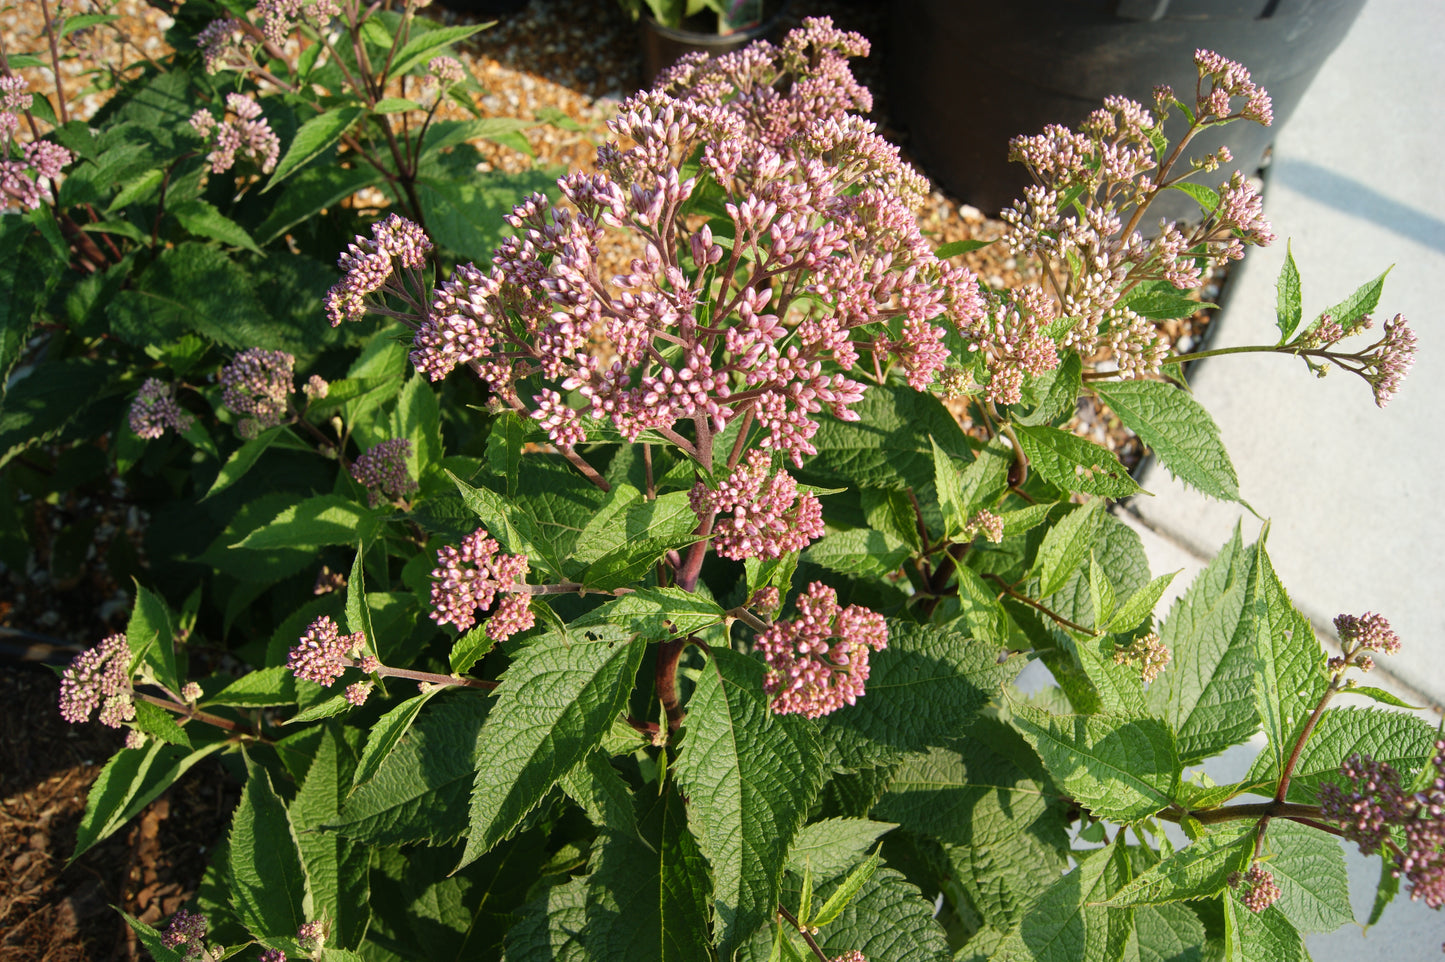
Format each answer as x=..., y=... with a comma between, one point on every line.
x=953, y=249
x=1207, y=692
x=420, y=791
x=1066, y=544
x=130, y=781
x=243, y=459
x=1200, y=870
x=511, y=523
x=144, y=187
x=326, y=708
x=158, y=723
x=597, y=787
x=312, y=191
x=316, y=136
x=465, y=213
x=338, y=867
x=554, y=704
x=42, y=404
x=1164, y=304
x=424, y=46
x=1385, y=891
x=385, y=734
x=1165, y=933
x=1074, y=464
x=262, y=688
x=1404, y=742
x=358, y=613
x=448, y=133
x=924, y=688
x=630, y=563
x=1068, y=923
x=1288, y=308
x=1266, y=937
x=834, y=845
x=750, y=776
x=1208, y=200
x=951, y=498
x=889, y=920
x=269, y=888
x=1101, y=592
x=1055, y=392
x=1140, y=605
x=469, y=649
x=1309, y=867
x=85, y=21
x=859, y=551
x=28, y=271
x=656, y=614
x=552, y=928
x=1178, y=430
x=1290, y=672
x=316, y=521
x=153, y=941
x=198, y=288
x=1118, y=768
x=1385, y=697
x=1350, y=312
x=203, y=220
x=418, y=419
x=394, y=105
x=151, y=639
x=848, y=890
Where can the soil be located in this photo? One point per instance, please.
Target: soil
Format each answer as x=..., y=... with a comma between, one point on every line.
x=576, y=56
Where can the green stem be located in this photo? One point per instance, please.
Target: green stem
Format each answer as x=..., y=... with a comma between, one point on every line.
x=792, y=920
x=1055, y=616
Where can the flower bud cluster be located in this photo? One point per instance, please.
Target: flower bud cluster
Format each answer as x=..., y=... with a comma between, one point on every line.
x=759, y=516
x=1087, y=182
x=448, y=70
x=1373, y=805
x=23, y=182
x=1148, y=652
x=223, y=46
x=368, y=264
x=256, y=385
x=984, y=523
x=323, y=654
x=825, y=247
x=1392, y=359
x=280, y=17
x=852, y=955
x=99, y=678
x=1368, y=632
x=186, y=934
x=245, y=132
x=1260, y=889
x=382, y=471
x=468, y=579
x=155, y=409
x=818, y=662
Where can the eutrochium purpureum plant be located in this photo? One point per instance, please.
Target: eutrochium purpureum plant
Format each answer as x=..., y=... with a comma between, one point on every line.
x=706, y=649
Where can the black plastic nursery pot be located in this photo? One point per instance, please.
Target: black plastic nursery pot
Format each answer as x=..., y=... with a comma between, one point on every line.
x=965, y=78
x=661, y=46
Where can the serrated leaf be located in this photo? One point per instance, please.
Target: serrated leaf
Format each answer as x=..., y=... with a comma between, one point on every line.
x=1101, y=592
x=1207, y=692
x=954, y=248
x=270, y=891
x=948, y=483
x=1384, y=697
x=129, y=782
x=1349, y=312
x=469, y=649
x=384, y=735
x=656, y=614
x=597, y=787
x=420, y=792
x=153, y=941
x=1207, y=198
x=358, y=612
x=1119, y=687
x=1140, y=605
x=310, y=192
x=1074, y=464
x=326, y=708
x=847, y=890
x=518, y=527
x=203, y=220
x=1068, y=923
x=630, y=563
x=1385, y=891
x=931, y=683
x=1290, y=674
x=1121, y=769
x=834, y=845
x=1055, y=392
x=551, y=928
x=1200, y=870
x=1265, y=937
x=1165, y=305
x=1404, y=742
x=1288, y=308
x=198, y=288
x=243, y=458
x=1178, y=430
x=1309, y=867
x=888, y=921
x=337, y=867
x=314, y=137
x=262, y=688
x=858, y=551
x=319, y=520
x=750, y=776
x=555, y=702
x=394, y=105
x=158, y=723
x=1066, y=545
x=423, y=46
x=151, y=639
x=1165, y=933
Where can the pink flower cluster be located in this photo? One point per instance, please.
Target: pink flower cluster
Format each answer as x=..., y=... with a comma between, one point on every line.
x=448, y=70
x=761, y=514
x=1368, y=632
x=825, y=247
x=1392, y=359
x=818, y=662
x=469, y=578
x=382, y=470
x=1374, y=805
x=852, y=955
x=279, y=17
x=368, y=264
x=187, y=935
x=257, y=385
x=223, y=47
x=23, y=182
x=155, y=409
x=246, y=133
x=984, y=523
x=99, y=678
x=1112, y=170
x=323, y=653
x=1150, y=654
x=1260, y=889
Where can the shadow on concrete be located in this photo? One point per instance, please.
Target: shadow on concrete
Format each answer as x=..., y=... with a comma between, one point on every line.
x=1360, y=200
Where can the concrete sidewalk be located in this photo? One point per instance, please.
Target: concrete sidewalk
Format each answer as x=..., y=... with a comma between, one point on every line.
x=1350, y=489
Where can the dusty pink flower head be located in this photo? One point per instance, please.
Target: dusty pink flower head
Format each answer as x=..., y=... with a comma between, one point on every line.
x=984, y=523
x=1368, y=632
x=358, y=692
x=155, y=409
x=1260, y=891
x=246, y=132
x=1393, y=358
x=1148, y=653
x=818, y=662
x=758, y=515
x=382, y=470
x=367, y=265
x=272, y=955
x=280, y=17
x=187, y=932
x=222, y=45
x=1228, y=80
x=24, y=184
x=257, y=384
x=311, y=935
x=448, y=70
x=852, y=955
x=469, y=578
x=99, y=678
x=135, y=738
x=323, y=654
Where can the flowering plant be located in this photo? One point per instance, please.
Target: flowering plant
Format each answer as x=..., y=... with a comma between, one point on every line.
x=715, y=622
